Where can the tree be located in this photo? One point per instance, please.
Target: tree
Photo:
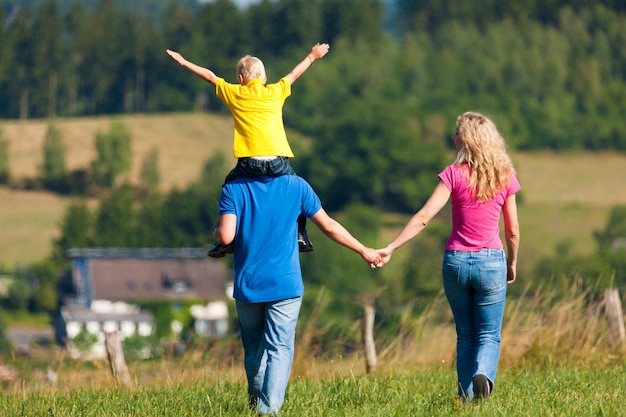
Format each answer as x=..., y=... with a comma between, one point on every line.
x=614, y=231
x=5, y=342
x=77, y=230
x=114, y=154
x=352, y=19
x=149, y=175
x=48, y=59
x=52, y=170
x=22, y=64
x=4, y=159
x=115, y=220
x=45, y=276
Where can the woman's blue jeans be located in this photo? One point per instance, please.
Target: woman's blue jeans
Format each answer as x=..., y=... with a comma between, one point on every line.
x=475, y=285
x=268, y=332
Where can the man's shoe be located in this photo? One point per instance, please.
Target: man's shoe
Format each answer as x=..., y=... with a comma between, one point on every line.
x=482, y=387
x=219, y=251
x=304, y=244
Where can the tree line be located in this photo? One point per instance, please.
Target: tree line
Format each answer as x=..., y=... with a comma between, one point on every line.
x=553, y=73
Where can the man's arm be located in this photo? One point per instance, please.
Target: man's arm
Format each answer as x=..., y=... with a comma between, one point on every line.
x=336, y=232
x=204, y=73
x=225, y=228
x=317, y=52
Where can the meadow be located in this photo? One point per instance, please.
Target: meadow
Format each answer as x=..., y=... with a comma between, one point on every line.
x=555, y=361
x=565, y=197
x=547, y=392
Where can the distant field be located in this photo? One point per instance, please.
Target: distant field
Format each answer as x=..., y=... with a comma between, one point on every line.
x=184, y=142
x=565, y=197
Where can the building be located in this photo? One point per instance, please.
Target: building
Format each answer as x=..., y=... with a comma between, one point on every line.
x=98, y=293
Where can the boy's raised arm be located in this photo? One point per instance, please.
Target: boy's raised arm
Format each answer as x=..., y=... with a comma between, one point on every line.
x=317, y=52
x=204, y=73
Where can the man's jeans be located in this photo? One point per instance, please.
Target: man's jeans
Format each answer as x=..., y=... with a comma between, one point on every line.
x=475, y=285
x=268, y=331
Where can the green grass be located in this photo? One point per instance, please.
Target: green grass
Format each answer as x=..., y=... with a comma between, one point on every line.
x=557, y=391
x=555, y=361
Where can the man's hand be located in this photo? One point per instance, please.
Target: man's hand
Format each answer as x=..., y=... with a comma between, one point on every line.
x=372, y=257
x=385, y=256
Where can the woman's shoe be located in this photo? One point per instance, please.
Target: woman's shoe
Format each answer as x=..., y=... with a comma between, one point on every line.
x=482, y=387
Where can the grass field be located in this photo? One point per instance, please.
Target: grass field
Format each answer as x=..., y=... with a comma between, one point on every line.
x=565, y=196
x=555, y=361
x=569, y=391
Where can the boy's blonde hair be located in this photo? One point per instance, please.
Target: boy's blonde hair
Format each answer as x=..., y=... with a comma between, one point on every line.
x=250, y=67
x=484, y=151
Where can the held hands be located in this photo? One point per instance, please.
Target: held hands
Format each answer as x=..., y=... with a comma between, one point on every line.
x=377, y=258
x=385, y=256
x=372, y=257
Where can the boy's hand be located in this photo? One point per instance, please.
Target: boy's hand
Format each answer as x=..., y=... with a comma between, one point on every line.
x=176, y=56
x=319, y=50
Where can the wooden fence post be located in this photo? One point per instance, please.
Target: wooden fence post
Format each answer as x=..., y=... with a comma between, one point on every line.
x=369, y=312
x=615, y=317
x=116, y=358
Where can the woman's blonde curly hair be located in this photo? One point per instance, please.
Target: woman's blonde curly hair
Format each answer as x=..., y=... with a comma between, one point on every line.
x=484, y=151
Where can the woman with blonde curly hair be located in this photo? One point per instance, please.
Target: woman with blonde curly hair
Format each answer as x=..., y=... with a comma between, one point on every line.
x=482, y=185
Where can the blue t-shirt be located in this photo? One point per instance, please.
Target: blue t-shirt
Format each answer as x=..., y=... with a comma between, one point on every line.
x=267, y=258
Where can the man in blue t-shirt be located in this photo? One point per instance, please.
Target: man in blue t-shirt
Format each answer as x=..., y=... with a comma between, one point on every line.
x=261, y=212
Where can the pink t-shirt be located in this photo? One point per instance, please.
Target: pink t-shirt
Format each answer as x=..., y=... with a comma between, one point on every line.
x=475, y=225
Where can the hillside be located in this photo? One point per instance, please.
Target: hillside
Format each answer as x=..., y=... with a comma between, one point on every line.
x=565, y=196
x=184, y=142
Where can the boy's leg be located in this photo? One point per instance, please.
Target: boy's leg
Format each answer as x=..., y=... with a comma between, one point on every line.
x=246, y=168
x=239, y=171
x=253, y=167
x=282, y=166
x=304, y=244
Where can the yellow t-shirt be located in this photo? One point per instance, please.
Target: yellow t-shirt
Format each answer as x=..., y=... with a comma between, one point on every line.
x=257, y=111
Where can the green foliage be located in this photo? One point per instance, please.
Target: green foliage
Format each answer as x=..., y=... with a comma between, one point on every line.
x=114, y=154
x=20, y=292
x=551, y=76
x=343, y=278
x=5, y=173
x=52, y=170
x=115, y=219
x=137, y=347
x=77, y=230
x=180, y=218
x=5, y=342
x=45, y=277
x=84, y=341
x=614, y=233
x=606, y=267
x=163, y=313
x=149, y=175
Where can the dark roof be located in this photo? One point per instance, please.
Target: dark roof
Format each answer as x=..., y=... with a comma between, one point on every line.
x=153, y=274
